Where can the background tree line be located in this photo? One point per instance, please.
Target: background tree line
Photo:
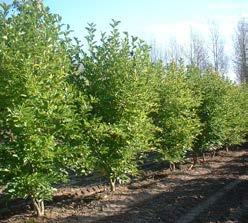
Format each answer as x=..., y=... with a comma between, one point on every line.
x=209, y=52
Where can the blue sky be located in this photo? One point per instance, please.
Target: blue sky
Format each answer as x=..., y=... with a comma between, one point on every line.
x=154, y=20
x=134, y=14
x=150, y=19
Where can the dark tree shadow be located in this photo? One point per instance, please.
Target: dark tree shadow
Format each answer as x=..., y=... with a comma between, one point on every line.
x=167, y=206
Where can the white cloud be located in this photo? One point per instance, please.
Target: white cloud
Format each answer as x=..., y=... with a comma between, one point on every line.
x=163, y=33
x=228, y=5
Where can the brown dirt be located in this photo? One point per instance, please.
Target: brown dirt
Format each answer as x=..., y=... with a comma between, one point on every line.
x=154, y=196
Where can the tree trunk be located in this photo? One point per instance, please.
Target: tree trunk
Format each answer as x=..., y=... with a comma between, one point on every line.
x=39, y=206
x=195, y=161
x=213, y=153
x=172, y=166
x=227, y=149
x=179, y=166
x=112, y=184
x=203, y=157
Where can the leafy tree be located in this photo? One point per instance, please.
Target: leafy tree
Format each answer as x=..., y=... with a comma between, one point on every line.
x=236, y=115
x=244, y=107
x=176, y=119
x=116, y=75
x=37, y=118
x=213, y=90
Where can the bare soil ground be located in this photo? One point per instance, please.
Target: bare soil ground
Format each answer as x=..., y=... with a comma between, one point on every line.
x=214, y=191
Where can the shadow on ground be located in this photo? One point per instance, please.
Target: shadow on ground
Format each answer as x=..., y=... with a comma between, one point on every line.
x=169, y=206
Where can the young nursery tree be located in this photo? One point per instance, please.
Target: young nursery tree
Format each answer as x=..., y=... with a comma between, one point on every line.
x=244, y=107
x=212, y=89
x=37, y=119
x=117, y=75
x=176, y=119
x=236, y=115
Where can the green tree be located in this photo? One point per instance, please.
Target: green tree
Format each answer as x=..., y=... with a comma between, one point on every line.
x=212, y=90
x=236, y=115
x=176, y=118
x=243, y=99
x=116, y=75
x=37, y=118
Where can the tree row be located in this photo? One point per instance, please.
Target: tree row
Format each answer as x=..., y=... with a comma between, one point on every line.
x=97, y=108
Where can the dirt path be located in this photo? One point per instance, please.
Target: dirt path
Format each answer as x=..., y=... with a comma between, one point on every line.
x=205, y=207
x=158, y=196
x=231, y=209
